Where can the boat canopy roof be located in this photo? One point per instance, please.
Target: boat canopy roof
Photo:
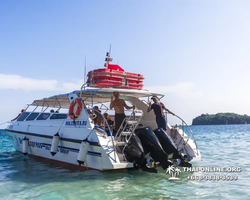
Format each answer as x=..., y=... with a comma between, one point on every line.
x=100, y=95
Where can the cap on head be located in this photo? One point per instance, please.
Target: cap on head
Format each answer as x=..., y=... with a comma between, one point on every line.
x=154, y=96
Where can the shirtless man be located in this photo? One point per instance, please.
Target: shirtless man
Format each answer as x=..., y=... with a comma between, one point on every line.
x=119, y=104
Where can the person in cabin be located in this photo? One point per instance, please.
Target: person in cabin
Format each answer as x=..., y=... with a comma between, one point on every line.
x=158, y=110
x=18, y=116
x=98, y=117
x=90, y=114
x=109, y=121
x=119, y=104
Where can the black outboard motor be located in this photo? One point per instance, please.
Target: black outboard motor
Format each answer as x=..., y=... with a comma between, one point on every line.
x=152, y=145
x=134, y=151
x=167, y=143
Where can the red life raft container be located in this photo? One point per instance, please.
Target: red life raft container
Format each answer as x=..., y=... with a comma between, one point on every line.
x=114, y=76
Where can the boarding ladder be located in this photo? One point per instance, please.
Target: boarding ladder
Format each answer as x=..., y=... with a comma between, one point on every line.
x=124, y=133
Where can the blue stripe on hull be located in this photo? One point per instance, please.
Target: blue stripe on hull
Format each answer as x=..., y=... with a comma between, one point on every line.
x=47, y=146
x=91, y=153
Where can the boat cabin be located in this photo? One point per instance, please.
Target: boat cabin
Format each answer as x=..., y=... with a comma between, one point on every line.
x=56, y=108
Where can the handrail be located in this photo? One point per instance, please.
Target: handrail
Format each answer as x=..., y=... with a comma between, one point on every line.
x=189, y=131
x=106, y=123
x=124, y=85
x=121, y=129
x=134, y=127
x=83, y=86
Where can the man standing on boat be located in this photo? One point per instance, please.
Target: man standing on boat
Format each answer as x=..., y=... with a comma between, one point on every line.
x=158, y=110
x=119, y=104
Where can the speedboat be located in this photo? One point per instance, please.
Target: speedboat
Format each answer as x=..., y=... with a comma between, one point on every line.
x=68, y=135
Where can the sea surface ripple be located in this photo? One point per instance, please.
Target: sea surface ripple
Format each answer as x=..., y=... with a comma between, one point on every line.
x=24, y=177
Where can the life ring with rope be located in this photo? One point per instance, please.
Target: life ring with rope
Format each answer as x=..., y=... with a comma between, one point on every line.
x=75, y=114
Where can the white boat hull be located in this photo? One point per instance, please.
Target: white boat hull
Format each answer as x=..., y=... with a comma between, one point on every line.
x=67, y=152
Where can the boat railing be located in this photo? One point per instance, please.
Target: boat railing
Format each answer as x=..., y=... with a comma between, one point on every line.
x=114, y=84
x=105, y=125
x=83, y=87
x=184, y=124
x=133, y=122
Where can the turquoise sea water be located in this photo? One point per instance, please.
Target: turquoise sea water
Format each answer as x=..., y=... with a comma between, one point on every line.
x=24, y=177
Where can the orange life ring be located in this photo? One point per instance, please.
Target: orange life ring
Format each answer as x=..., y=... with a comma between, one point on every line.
x=74, y=115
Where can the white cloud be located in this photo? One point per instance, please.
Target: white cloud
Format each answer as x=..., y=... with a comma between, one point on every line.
x=72, y=86
x=185, y=89
x=181, y=98
x=16, y=82
x=184, y=100
x=12, y=81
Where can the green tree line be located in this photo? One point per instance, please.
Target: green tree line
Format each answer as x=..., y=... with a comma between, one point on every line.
x=221, y=118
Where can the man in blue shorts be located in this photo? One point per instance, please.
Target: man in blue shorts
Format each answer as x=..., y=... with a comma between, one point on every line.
x=158, y=110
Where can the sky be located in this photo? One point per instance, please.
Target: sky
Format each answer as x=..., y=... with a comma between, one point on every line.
x=195, y=52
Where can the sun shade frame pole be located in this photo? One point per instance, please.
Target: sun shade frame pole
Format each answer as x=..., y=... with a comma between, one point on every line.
x=46, y=103
x=34, y=105
x=34, y=109
x=58, y=103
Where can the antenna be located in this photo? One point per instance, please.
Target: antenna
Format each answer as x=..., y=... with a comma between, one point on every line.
x=110, y=50
x=84, y=75
x=108, y=59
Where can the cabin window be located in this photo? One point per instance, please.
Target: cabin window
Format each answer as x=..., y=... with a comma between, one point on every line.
x=23, y=116
x=43, y=116
x=32, y=116
x=59, y=116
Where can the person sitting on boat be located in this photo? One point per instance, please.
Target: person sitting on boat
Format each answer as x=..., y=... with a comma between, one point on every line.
x=98, y=118
x=52, y=111
x=119, y=104
x=90, y=114
x=17, y=116
x=158, y=110
x=109, y=121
